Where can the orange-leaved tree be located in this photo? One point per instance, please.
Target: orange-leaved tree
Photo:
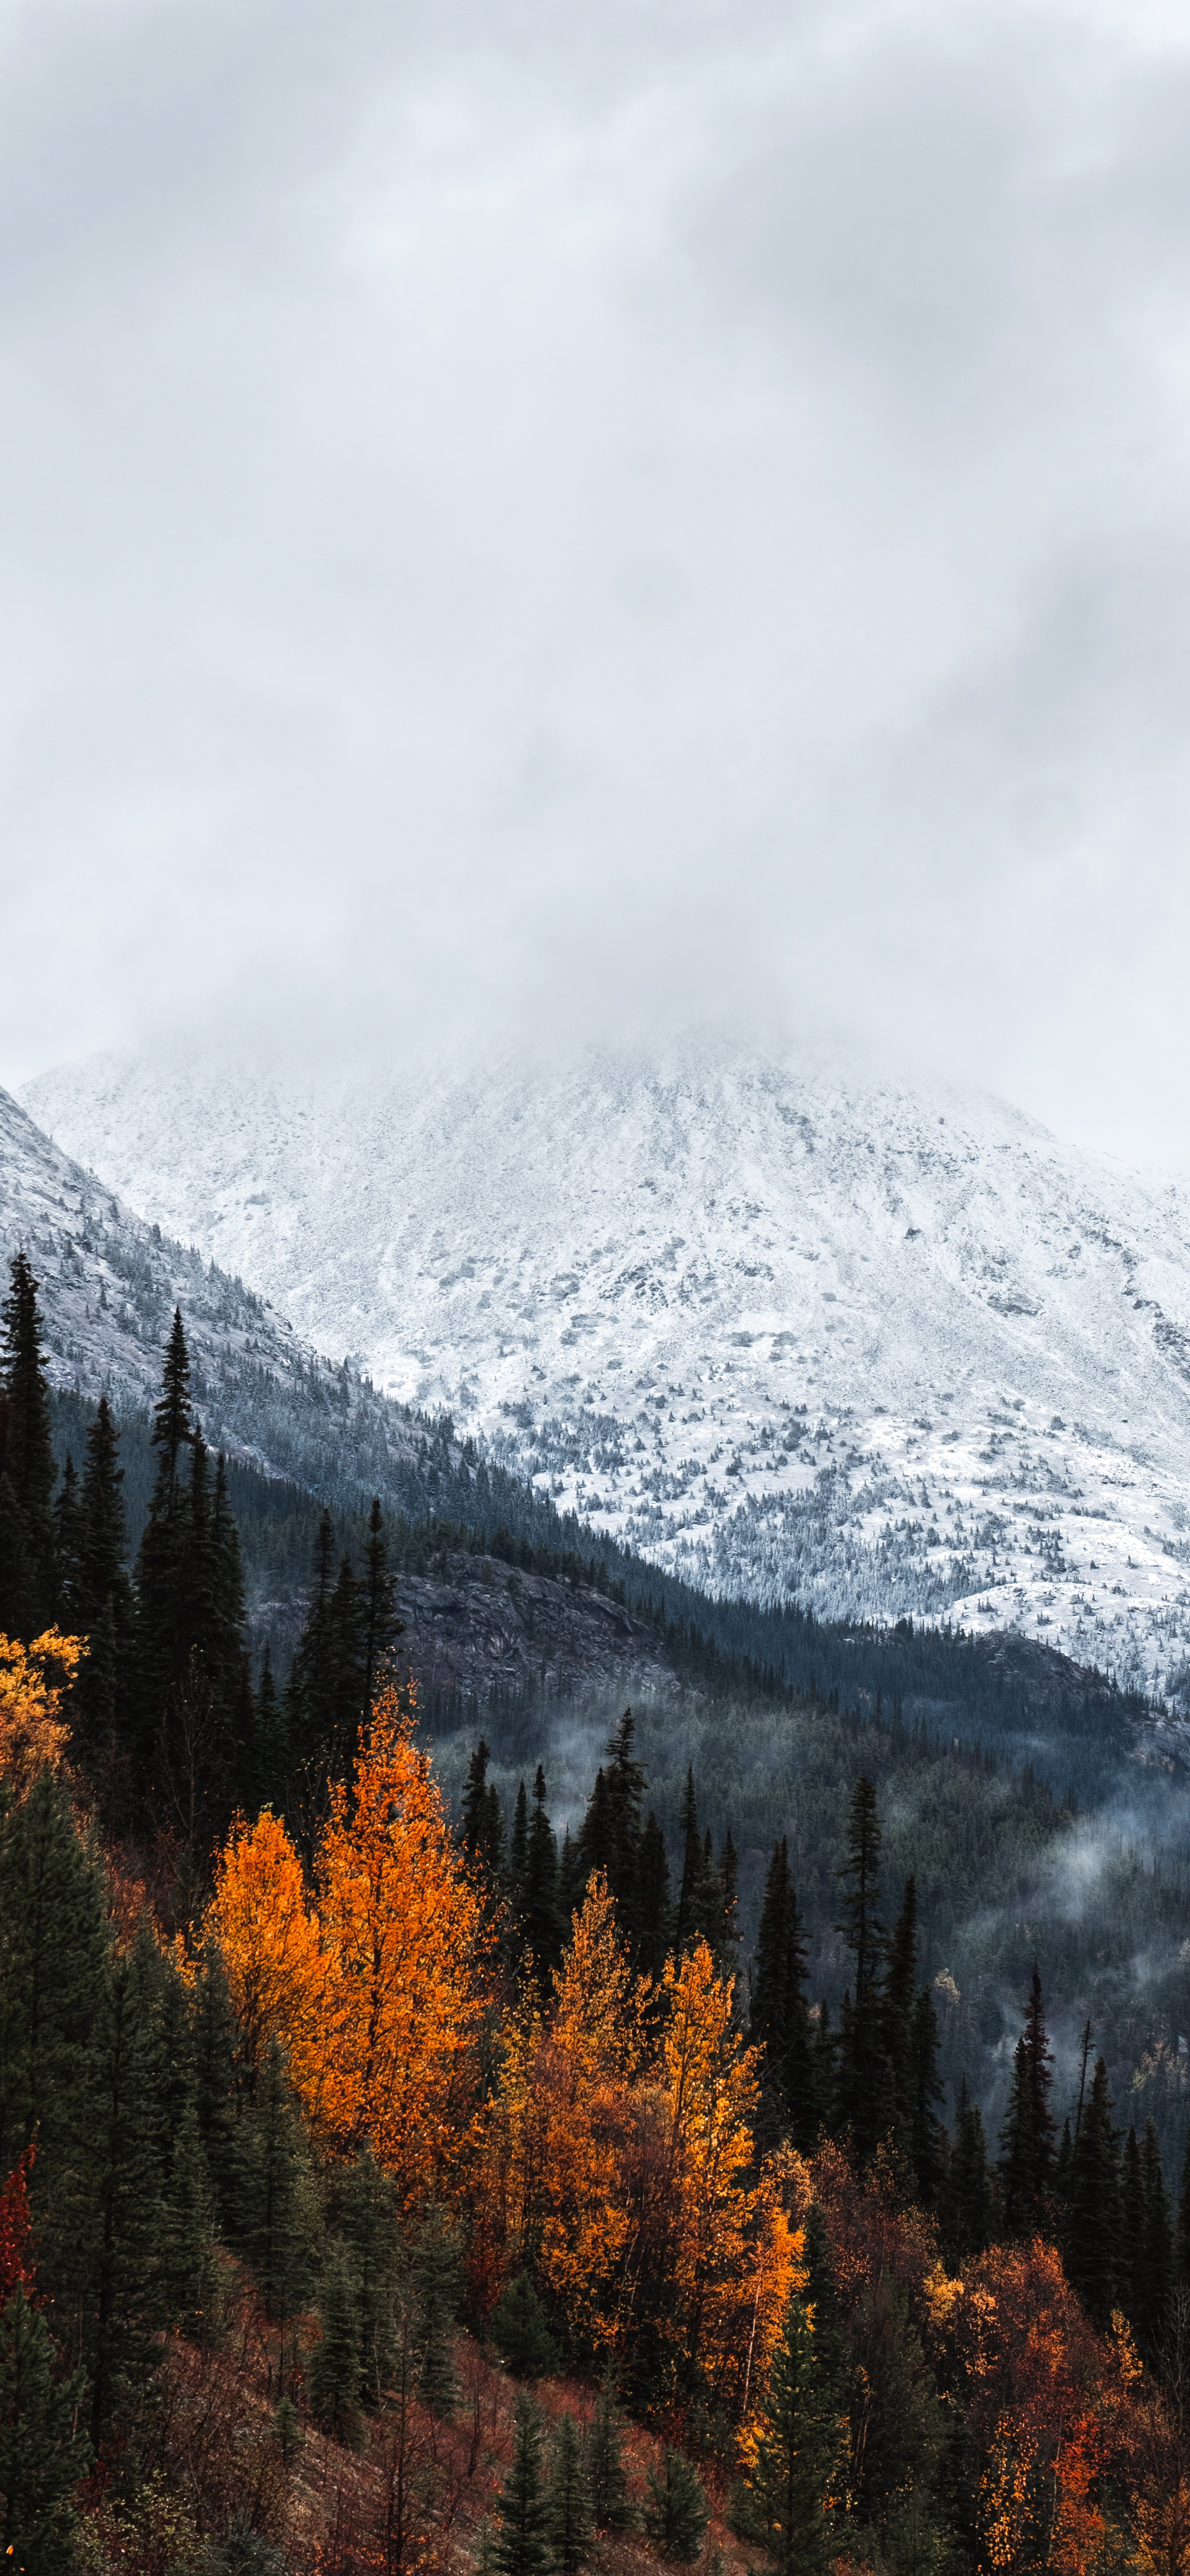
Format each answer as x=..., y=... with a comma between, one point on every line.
x=736, y=2257
x=33, y=1732
x=406, y=1956
x=553, y=2175
x=271, y=1942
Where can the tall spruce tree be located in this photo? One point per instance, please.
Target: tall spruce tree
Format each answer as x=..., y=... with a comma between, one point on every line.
x=43, y=2448
x=1027, y=2137
x=789, y=2505
x=655, y=1913
x=967, y=2195
x=1091, y=2232
x=523, y=2538
x=568, y=2503
x=862, y=2091
x=28, y=1581
x=780, y=2013
x=381, y=1626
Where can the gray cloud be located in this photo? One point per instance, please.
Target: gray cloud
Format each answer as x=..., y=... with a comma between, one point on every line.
x=517, y=517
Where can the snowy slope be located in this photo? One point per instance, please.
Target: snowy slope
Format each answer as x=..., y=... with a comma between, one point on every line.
x=783, y=1325
x=109, y=1283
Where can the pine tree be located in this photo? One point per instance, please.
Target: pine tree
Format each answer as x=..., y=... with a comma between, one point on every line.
x=191, y=2272
x=897, y=2000
x=224, y=2143
x=603, y=2453
x=1155, y=2269
x=371, y=2232
x=68, y=1537
x=862, y=2095
x=927, y=2137
x=522, y=2542
x=690, y=1923
x=1027, y=2138
x=676, y=2515
x=333, y=2371
x=1092, y=2227
x=520, y=2332
x=967, y=2201
x=482, y=1828
x=793, y=2484
x=53, y=1948
x=272, y=1744
x=42, y=2454
x=436, y=2299
x=381, y=1626
x=609, y=1838
x=271, y=2219
x=654, y=1910
x=120, y=2219
x=780, y=2014
x=541, y=1914
x=27, y=1570
x=568, y=2504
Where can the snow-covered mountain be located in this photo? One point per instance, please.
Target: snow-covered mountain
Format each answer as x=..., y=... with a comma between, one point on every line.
x=109, y=1282
x=783, y=1325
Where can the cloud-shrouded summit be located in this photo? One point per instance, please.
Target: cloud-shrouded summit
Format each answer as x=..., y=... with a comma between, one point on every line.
x=785, y=1325
x=531, y=519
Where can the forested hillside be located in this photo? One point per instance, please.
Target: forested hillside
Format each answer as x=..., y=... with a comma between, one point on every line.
x=790, y=2096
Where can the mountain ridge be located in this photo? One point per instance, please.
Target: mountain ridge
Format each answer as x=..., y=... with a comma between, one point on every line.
x=781, y=1324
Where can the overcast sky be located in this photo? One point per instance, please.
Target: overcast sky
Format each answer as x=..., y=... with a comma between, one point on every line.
x=535, y=513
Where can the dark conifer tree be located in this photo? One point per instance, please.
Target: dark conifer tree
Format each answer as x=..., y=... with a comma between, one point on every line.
x=191, y=2272
x=43, y=2449
x=1130, y=2246
x=897, y=2002
x=373, y=2240
x=381, y=1626
x=333, y=2379
x=27, y=1471
x=436, y=2284
x=603, y=2453
x=68, y=1535
x=53, y=1945
x=655, y=1913
x=118, y=2245
x=99, y=1700
x=1156, y=2260
x=790, y=2492
x=1027, y=2137
x=270, y=1736
x=1092, y=2225
x=676, y=2515
x=541, y=1914
x=224, y=2142
x=271, y=2222
x=780, y=2014
x=568, y=2504
x=927, y=2137
x=862, y=2094
x=481, y=1830
x=967, y=2200
x=522, y=2541
x=1181, y=2239
x=691, y=1909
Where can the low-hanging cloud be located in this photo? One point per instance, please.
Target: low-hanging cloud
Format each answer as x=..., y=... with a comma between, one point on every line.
x=533, y=519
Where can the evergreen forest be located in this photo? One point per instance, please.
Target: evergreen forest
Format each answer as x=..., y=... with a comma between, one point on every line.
x=745, y=2128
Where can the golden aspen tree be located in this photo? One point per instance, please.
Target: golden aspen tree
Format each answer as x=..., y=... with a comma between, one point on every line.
x=271, y=1941
x=33, y=1732
x=402, y=1928
x=735, y=2257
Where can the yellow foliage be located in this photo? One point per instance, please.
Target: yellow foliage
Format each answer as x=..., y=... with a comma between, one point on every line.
x=271, y=1942
x=735, y=2256
x=402, y=1928
x=32, y=1732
